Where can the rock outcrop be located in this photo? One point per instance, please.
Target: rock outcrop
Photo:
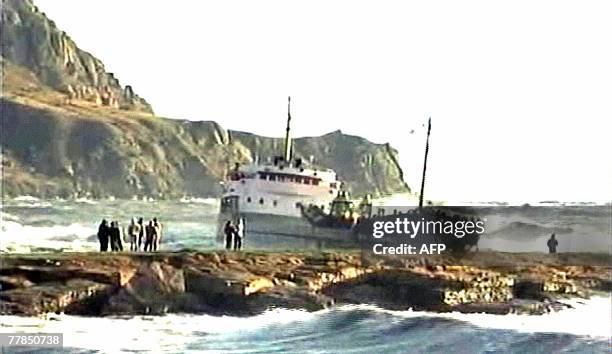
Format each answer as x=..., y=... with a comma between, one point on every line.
x=31, y=40
x=244, y=284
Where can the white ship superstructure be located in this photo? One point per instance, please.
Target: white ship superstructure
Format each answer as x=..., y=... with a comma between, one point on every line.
x=280, y=187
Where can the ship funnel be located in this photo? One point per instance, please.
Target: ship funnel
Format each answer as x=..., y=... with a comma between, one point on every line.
x=287, y=133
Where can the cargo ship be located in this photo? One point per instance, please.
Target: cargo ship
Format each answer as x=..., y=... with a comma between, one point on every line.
x=272, y=197
x=287, y=204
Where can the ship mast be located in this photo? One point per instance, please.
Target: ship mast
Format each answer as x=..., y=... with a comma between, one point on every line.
x=287, y=134
x=425, y=165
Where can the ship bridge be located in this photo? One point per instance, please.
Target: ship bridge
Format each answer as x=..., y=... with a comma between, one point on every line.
x=279, y=188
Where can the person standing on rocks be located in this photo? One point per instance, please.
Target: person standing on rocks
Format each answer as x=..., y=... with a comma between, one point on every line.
x=115, y=237
x=103, y=235
x=552, y=244
x=229, y=233
x=134, y=232
x=151, y=237
x=238, y=234
x=158, y=230
x=142, y=236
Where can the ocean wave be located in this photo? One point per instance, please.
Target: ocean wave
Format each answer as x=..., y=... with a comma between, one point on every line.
x=7, y=216
x=355, y=328
x=518, y=229
x=586, y=317
x=27, y=201
x=85, y=201
x=172, y=332
x=195, y=200
x=26, y=198
x=18, y=238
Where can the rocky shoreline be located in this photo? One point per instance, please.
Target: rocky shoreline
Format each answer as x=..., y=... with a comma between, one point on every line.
x=248, y=283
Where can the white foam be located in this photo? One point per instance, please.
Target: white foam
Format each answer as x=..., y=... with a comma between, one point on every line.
x=8, y=216
x=173, y=333
x=26, y=198
x=194, y=200
x=588, y=317
x=169, y=333
x=24, y=238
x=85, y=201
x=30, y=202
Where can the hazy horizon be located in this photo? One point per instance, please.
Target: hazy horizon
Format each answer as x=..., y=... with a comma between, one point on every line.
x=519, y=94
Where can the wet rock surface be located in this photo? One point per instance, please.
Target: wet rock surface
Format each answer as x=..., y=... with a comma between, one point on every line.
x=244, y=284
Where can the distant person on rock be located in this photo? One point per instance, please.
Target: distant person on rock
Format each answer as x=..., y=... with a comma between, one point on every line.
x=134, y=233
x=142, y=236
x=115, y=237
x=158, y=230
x=238, y=232
x=103, y=235
x=552, y=244
x=229, y=233
x=151, y=237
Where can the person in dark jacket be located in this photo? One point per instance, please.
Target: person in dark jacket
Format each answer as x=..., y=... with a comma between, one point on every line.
x=133, y=232
x=115, y=237
x=103, y=235
x=552, y=244
x=142, y=237
x=151, y=237
x=238, y=234
x=229, y=232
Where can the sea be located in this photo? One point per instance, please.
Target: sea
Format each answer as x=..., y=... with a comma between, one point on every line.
x=31, y=225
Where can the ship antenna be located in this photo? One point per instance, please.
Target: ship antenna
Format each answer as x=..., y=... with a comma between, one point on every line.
x=425, y=165
x=287, y=134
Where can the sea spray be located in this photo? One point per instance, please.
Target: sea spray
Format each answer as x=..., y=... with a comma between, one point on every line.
x=585, y=317
x=356, y=328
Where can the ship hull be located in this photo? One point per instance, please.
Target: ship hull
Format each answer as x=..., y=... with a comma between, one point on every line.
x=286, y=232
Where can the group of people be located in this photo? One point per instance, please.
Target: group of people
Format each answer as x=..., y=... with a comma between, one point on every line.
x=140, y=235
x=234, y=234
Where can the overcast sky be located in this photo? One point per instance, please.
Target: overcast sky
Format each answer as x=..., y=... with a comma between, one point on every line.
x=520, y=92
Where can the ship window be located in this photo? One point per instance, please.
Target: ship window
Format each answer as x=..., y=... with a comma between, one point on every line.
x=315, y=182
x=248, y=199
x=262, y=176
x=261, y=201
x=297, y=205
x=275, y=203
x=306, y=180
x=272, y=178
x=298, y=179
x=332, y=185
x=331, y=191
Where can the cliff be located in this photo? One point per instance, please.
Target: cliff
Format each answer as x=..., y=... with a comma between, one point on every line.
x=52, y=151
x=366, y=166
x=31, y=40
x=71, y=130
